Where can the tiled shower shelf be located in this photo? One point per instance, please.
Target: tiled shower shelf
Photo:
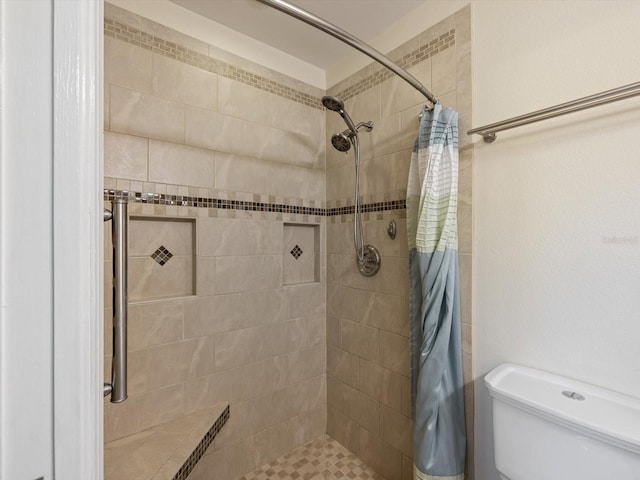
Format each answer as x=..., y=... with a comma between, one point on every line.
x=162, y=260
x=301, y=261
x=168, y=451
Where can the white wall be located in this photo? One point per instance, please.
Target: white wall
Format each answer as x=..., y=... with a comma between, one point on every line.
x=556, y=205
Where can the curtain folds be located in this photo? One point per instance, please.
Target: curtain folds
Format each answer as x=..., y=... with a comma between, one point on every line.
x=436, y=360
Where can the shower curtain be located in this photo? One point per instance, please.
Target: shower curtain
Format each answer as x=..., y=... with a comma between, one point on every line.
x=437, y=396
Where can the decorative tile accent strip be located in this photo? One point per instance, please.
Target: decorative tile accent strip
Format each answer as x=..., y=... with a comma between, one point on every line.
x=162, y=255
x=182, y=54
x=296, y=252
x=199, y=451
x=368, y=207
x=412, y=58
x=202, y=202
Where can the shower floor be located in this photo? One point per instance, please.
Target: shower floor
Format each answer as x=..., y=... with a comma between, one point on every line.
x=321, y=459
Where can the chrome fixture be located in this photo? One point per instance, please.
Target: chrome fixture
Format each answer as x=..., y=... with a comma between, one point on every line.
x=119, y=229
x=349, y=39
x=391, y=230
x=488, y=132
x=367, y=125
x=367, y=256
x=371, y=263
x=341, y=141
x=336, y=105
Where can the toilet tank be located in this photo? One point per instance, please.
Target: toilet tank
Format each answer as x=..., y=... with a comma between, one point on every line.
x=548, y=427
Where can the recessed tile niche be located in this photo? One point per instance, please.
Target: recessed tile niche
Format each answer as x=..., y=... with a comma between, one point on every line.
x=161, y=258
x=301, y=256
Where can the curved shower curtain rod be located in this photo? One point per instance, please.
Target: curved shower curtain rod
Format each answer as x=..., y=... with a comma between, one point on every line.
x=349, y=39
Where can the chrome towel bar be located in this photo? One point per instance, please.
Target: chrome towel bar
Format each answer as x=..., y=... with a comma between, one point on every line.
x=488, y=132
x=120, y=235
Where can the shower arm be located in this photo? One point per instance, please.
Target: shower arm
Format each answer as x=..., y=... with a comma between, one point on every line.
x=349, y=39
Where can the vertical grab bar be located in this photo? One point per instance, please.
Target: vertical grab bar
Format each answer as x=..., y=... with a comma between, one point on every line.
x=119, y=229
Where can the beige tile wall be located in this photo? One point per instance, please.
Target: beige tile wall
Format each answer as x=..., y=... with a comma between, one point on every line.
x=174, y=128
x=368, y=388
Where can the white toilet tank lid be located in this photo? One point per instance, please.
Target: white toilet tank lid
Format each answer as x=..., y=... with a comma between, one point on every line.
x=603, y=414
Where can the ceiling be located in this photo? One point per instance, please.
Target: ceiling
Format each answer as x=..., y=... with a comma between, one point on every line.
x=364, y=19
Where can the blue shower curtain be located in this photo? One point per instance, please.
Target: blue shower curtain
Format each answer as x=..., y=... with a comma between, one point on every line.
x=437, y=396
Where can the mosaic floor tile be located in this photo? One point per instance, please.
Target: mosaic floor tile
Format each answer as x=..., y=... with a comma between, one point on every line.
x=321, y=459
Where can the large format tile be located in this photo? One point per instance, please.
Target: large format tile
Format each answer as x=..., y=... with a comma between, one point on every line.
x=381, y=456
x=149, y=280
x=125, y=156
x=397, y=94
x=139, y=456
x=360, y=340
x=342, y=365
x=127, y=65
x=343, y=429
x=155, y=323
x=362, y=408
x=443, y=67
x=240, y=347
x=212, y=130
x=184, y=83
x=241, y=174
x=394, y=353
x=145, y=115
x=396, y=430
x=244, y=101
x=142, y=411
x=296, y=182
x=342, y=302
x=386, y=312
x=182, y=165
x=173, y=363
x=381, y=384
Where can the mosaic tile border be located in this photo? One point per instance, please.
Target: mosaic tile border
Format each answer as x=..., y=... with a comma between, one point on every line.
x=368, y=207
x=200, y=450
x=443, y=42
x=134, y=36
x=224, y=204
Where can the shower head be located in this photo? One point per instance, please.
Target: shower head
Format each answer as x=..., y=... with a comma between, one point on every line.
x=341, y=141
x=332, y=103
x=336, y=105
